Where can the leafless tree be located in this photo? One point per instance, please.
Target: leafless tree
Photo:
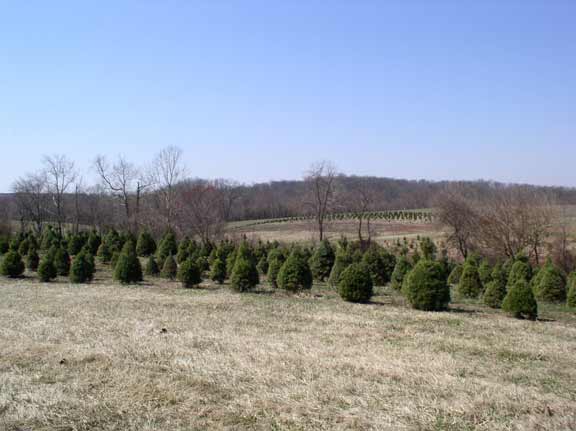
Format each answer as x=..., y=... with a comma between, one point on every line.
x=123, y=180
x=455, y=211
x=31, y=199
x=200, y=211
x=230, y=194
x=167, y=171
x=360, y=199
x=60, y=175
x=321, y=182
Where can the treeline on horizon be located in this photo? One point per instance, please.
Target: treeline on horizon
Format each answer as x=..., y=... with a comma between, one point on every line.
x=165, y=194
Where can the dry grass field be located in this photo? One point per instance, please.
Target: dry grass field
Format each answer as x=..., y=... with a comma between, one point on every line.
x=159, y=357
x=299, y=231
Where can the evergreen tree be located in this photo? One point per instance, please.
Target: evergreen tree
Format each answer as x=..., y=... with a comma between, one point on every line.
x=128, y=269
x=151, y=266
x=82, y=270
x=322, y=260
x=295, y=273
x=244, y=275
x=428, y=248
x=32, y=260
x=343, y=260
x=425, y=287
x=12, y=265
x=496, y=288
x=113, y=240
x=218, y=271
x=61, y=261
x=75, y=244
x=104, y=253
x=230, y=262
x=46, y=269
x=373, y=261
x=189, y=273
x=183, y=250
x=520, y=301
x=552, y=284
x=114, y=259
x=168, y=247
x=520, y=270
x=355, y=283
x=275, y=261
x=402, y=268
x=571, y=296
x=93, y=242
x=169, y=269
x=470, y=285
x=145, y=246
x=485, y=272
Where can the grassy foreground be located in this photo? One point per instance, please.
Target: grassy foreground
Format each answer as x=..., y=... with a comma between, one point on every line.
x=158, y=357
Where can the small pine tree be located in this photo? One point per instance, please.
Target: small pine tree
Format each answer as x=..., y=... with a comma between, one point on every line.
x=295, y=273
x=571, y=296
x=169, y=269
x=322, y=260
x=189, y=273
x=273, y=270
x=520, y=270
x=82, y=270
x=355, y=283
x=61, y=261
x=128, y=269
x=470, y=285
x=496, y=288
x=75, y=244
x=454, y=277
x=342, y=261
x=485, y=272
x=244, y=275
x=520, y=301
x=151, y=266
x=114, y=259
x=47, y=269
x=551, y=285
x=230, y=262
x=93, y=242
x=145, y=245
x=425, y=287
x=32, y=260
x=12, y=265
x=183, y=250
x=218, y=271
x=402, y=268
x=373, y=261
x=168, y=247
x=428, y=248
x=104, y=253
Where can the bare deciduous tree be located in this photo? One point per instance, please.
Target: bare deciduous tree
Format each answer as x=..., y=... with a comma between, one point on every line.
x=320, y=181
x=123, y=179
x=60, y=175
x=32, y=199
x=200, y=211
x=167, y=171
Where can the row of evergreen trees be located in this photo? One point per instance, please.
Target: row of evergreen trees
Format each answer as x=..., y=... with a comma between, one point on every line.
x=423, y=277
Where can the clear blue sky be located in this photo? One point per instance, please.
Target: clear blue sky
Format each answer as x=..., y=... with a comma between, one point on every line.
x=257, y=90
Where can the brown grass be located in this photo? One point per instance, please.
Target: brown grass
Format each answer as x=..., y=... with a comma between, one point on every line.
x=298, y=231
x=95, y=357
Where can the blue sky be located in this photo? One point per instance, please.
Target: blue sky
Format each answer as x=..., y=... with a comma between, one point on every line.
x=257, y=90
